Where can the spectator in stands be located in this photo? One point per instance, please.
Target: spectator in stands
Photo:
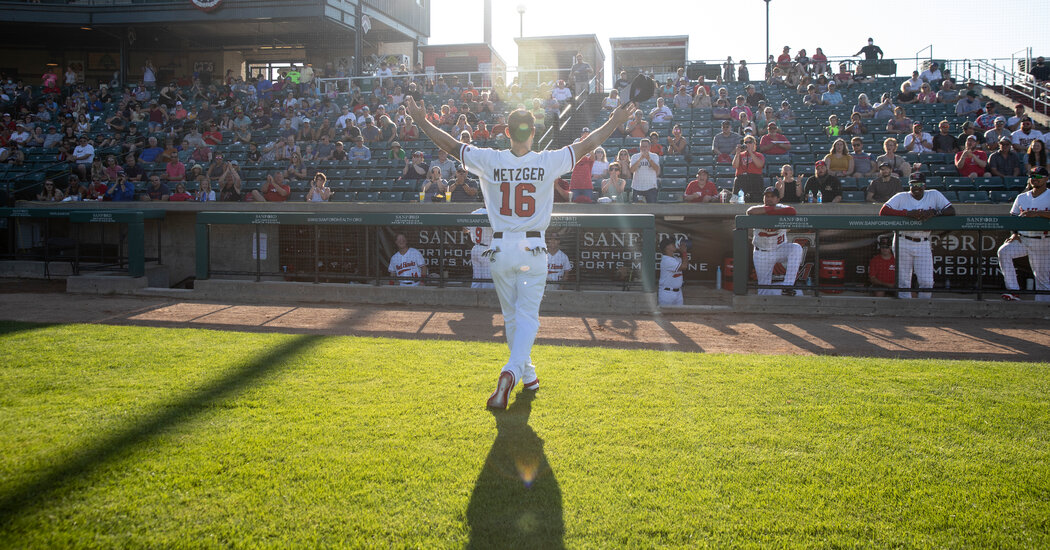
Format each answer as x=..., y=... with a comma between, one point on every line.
x=900, y=123
x=580, y=73
x=863, y=107
x=721, y=110
x=636, y=126
x=1040, y=71
x=201, y=153
x=728, y=74
x=254, y=155
x=820, y=62
x=838, y=161
x=997, y=133
x=785, y=112
x=986, y=120
x=581, y=187
x=623, y=156
x=461, y=188
x=948, y=93
x=446, y=163
x=212, y=136
x=882, y=268
x=789, y=188
x=748, y=164
x=724, y=144
x=968, y=104
x=204, y=191
x=833, y=129
x=918, y=141
x=296, y=169
x=774, y=142
x=884, y=186
x=784, y=59
x=49, y=192
x=932, y=75
x=682, y=100
x=613, y=186
x=319, y=190
x=885, y=108
x=600, y=168
x=1005, y=162
x=645, y=167
x=765, y=116
x=52, y=138
x=274, y=190
x=434, y=186
x=1035, y=159
x=967, y=131
x=83, y=156
x=1014, y=122
x=668, y=90
x=134, y=172
x=359, y=152
x=863, y=162
x=898, y=164
x=180, y=194
x=971, y=161
x=832, y=96
x=812, y=96
x=654, y=143
x=856, y=126
x=481, y=132
x=702, y=189
x=926, y=95
x=230, y=185
x=742, y=73
x=409, y=131
x=75, y=191
x=415, y=167
x=752, y=97
x=1024, y=135
x=121, y=190
x=561, y=93
x=611, y=102
x=676, y=143
x=661, y=113
x=944, y=141
x=824, y=185
x=156, y=190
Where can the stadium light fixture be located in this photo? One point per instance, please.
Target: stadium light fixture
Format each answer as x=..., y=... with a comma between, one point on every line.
x=767, y=31
x=521, y=20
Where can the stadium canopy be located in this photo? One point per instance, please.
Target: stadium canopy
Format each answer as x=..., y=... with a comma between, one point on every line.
x=656, y=55
x=102, y=34
x=552, y=56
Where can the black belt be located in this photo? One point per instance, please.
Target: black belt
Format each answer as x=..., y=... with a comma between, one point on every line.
x=672, y=289
x=914, y=239
x=1031, y=237
x=528, y=235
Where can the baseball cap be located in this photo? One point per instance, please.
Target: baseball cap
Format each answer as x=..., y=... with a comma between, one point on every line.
x=917, y=179
x=886, y=164
x=1021, y=105
x=820, y=163
x=967, y=124
x=178, y=103
x=989, y=104
x=235, y=163
x=641, y=89
x=1000, y=119
x=971, y=93
x=585, y=129
x=395, y=144
x=769, y=190
x=1038, y=173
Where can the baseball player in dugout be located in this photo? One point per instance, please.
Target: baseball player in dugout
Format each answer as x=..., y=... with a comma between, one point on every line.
x=914, y=250
x=518, y=187
x=772, y=246
x=1033, y=203
x=671, y=269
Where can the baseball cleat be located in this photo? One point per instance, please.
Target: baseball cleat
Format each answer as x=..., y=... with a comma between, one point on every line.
x=1007, y=297
x=532, y=385
x=501, y=397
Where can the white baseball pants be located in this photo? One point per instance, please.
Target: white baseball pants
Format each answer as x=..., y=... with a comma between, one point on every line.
x=519, y=271
x=481, y=267
x=789, y=254
x=914, y=257
x=1038, y=252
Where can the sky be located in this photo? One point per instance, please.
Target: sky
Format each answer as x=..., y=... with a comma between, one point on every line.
x=956, y=28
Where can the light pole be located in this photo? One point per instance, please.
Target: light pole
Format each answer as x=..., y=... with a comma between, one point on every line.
x=767, y=31
x=521, y=20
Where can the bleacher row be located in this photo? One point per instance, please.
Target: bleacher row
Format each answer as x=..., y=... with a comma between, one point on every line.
x=378, y=178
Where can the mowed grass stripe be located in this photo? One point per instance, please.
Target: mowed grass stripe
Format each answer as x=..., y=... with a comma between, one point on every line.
x=241, y=439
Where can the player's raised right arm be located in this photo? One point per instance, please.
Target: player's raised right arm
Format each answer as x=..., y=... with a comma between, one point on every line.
x=618, y=117
x=440, y=137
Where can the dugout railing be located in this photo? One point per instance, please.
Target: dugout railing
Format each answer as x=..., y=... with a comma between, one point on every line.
x=89, y=240
x=838, y=249
x=608, y=251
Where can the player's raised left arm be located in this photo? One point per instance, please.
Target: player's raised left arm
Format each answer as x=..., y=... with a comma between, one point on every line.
x=441, y=138
x=618, y=117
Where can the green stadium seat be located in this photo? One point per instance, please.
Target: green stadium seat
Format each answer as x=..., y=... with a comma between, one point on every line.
x=853, y=196
x=1015, y=183
x=1002, y=196
x=390, y=196
x=367, y=197
x=381, y=186
x=674, y=171
x=974, y=196
x=359, y=185
x=673, y=160
x=952, y=196
x=957, y=183
x=669, y=196
x=345, y=197
x=673, y=184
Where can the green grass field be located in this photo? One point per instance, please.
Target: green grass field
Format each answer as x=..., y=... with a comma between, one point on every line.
x=134, y=437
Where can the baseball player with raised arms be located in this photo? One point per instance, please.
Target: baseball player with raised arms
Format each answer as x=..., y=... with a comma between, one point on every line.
x=671, y=268
x=518, y=187
x=772, y=246
x=1034, y=203
x=407, y=262
x=914, y=250
x=481, y=236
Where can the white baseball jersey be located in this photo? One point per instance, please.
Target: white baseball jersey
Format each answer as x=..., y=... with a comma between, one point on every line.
x=518, y=191
x=670, y=276
x=931, y=199
x=480, y=234
x=558, y=265
x=644, y=178
x=407, y=265
x=1028, y=201
x=1023, y=139
x=768, y=239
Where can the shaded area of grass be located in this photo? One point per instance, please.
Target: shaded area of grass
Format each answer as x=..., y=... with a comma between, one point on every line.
x=156, y=437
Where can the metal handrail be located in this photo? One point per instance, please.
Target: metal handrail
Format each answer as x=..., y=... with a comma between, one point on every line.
x=11, y=192
x=989, y=74
x=930, y=48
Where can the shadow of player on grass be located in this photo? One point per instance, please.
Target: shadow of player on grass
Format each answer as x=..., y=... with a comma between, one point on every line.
x=516, y=501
